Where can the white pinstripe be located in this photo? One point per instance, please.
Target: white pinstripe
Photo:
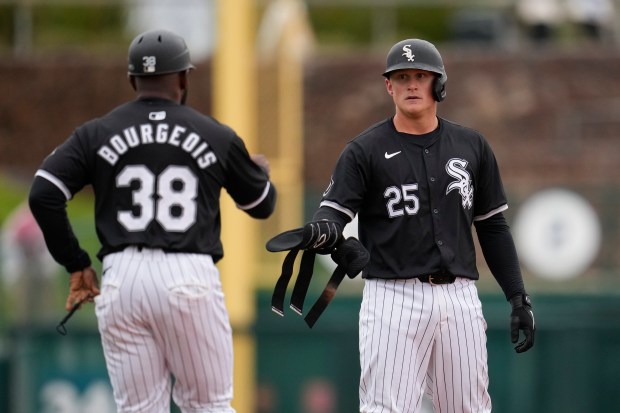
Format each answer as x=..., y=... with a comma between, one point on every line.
x=417, y=337
x=161, y=314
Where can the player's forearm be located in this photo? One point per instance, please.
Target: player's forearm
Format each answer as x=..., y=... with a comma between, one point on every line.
x=500, y=253
x=48, y=207
x=265, y=208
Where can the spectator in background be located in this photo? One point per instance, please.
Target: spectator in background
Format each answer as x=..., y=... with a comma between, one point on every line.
x=27, y=268
x=593, y=18
x=541, y=18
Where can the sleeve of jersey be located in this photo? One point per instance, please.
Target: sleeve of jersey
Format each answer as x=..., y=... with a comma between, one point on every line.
x=499, y=251
x=490, y=197
x=67, y=166
x=63, y=173
x=347, y=187
x=247, y=183
x=48, y=205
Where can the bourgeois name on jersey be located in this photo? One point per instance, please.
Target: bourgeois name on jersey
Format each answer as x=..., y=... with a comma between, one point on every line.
x=162, y=133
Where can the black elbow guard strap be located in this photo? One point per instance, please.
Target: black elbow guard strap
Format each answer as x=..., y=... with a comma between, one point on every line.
x=350, y=256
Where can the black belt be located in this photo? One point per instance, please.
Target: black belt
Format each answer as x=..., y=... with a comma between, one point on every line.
x=441, y=278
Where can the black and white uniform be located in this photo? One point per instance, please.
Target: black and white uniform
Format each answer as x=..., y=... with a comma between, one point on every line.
x=157, y=169
x=416, y=197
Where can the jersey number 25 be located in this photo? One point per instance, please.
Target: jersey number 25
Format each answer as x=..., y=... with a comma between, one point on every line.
x=402, y=200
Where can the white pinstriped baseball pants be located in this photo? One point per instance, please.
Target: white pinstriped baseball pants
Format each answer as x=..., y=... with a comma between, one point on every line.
x=161, y=314
x=416, y=337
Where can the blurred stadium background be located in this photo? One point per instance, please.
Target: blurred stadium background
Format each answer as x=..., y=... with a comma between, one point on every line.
x=298, y=79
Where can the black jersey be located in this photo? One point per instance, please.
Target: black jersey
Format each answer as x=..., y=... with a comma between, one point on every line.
x=417, y=197
x=157, y=169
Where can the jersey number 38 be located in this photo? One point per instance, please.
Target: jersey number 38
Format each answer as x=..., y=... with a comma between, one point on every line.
x=169, y=198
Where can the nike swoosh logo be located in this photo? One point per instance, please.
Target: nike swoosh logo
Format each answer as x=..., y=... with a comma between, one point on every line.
x=391, y=155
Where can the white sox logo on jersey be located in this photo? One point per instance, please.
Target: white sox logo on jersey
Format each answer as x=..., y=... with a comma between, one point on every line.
x=456, y=169
x=408, y=53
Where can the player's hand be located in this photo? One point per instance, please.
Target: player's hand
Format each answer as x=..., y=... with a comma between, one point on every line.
x=262, y=161
x=522, y=318
x=321, y=237
x=83, y=286
x=352, y=256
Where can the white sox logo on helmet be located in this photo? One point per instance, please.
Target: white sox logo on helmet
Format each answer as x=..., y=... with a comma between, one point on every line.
x=408, y=53
x=456, y=169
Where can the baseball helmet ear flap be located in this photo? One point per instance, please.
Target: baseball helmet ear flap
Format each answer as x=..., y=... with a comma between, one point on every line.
x=439, y=88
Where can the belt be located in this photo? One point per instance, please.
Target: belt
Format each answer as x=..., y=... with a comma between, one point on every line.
x=441, y=278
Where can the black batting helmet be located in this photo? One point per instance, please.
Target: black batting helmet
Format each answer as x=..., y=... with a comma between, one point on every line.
x=157, y=52
x=418, y=54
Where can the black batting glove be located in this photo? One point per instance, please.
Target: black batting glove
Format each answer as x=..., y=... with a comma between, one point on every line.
x=321, y=237
x=522, y=318
x=352, y=256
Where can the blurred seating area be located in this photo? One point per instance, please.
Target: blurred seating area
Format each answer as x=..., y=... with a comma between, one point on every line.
x=543, y=21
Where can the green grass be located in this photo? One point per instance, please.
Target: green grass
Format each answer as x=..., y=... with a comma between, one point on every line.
x=73, y=26
x=430, y=23
x=12, y=193
x=96, y=29
x=101, y=28
x=353, y=26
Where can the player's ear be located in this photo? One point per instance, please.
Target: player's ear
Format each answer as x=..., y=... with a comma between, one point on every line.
x=388, y=86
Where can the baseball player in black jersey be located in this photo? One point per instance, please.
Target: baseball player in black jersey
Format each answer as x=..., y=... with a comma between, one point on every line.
x=417, y=183
x=157, y=168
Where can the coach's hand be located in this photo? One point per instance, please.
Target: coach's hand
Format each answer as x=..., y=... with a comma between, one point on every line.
x=321, y=237
x=83, y=286
x=262, y=161
x=522, y=318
